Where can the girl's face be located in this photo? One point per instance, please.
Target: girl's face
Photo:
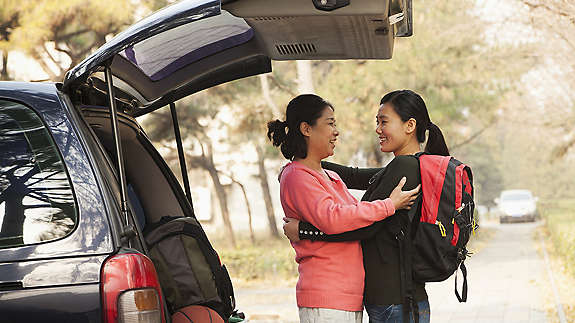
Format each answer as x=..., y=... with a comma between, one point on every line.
x=394, y=134
x=321, y=136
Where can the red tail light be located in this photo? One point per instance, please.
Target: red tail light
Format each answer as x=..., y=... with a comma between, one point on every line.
x=130, y=290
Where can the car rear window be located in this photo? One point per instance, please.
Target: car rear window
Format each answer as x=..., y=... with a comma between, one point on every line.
x=161, y=55
x=516, y=197
x=36, y=198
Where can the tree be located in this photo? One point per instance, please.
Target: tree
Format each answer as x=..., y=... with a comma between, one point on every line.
x=252, y=101
x=251, y=122
x=9, y=19
x=304, y=77
x=444, y=61
x=58, y=34
x=248, y=207
x=555, y=20
x=195, y=115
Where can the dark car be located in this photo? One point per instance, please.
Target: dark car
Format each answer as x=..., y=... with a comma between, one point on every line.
x=79, y=179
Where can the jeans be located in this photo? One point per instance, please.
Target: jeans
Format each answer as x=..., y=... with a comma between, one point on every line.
x=394, y=313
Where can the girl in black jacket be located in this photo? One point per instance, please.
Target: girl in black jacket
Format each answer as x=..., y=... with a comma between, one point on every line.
x=402, y=123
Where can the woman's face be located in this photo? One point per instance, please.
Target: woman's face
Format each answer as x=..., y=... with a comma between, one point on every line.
x=323, y=135
x=394, y=134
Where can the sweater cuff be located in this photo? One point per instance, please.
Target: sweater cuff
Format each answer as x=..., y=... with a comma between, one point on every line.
x=306, y=231
x=389, y=206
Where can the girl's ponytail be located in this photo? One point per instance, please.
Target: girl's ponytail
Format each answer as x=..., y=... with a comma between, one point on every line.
x=436, y=142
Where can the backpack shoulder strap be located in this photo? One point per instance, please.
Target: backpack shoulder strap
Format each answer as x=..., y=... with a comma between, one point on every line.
x=404, y=238
x=463, y=297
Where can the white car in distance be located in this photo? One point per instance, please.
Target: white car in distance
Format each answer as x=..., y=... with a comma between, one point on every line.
x=517, y=206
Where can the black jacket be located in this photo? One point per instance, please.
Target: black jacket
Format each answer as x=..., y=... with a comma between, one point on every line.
x=379, y=245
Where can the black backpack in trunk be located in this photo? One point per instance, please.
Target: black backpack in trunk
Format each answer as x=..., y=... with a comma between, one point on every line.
x=189, y=269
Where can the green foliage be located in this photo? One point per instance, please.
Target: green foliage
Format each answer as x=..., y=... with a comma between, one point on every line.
x=73, y=27
x=560, y=220
x=482, y=157
x=9, y=18
x=194, y=113
x=274, y=259
x=74, y=23
x=271, y=259
x=445, y=62
x=525, y=157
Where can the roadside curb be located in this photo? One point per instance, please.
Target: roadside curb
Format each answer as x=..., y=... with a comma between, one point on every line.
x=557, y=298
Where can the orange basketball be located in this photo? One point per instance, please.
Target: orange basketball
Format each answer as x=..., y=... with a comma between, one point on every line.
x=196, y=314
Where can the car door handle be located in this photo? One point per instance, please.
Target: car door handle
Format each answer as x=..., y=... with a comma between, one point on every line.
x=11, y=286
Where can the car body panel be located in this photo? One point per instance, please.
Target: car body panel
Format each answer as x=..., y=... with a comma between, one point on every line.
x=78, y=303
x=53, y=272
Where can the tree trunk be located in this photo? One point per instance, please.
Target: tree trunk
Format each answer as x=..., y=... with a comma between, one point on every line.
x=223, y=199
x=266, y=93
x=263, y=176
x=247, y=200
x=304, y=77
x=4, y=72
x=221, y=194
x=13, y=224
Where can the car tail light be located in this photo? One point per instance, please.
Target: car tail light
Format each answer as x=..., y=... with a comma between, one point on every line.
x=130, y=290
x=141, y=305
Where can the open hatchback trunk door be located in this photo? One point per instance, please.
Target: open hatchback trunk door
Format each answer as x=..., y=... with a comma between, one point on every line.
x=195, y=44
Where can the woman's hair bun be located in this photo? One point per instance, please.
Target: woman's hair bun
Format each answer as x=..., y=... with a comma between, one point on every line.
x=277, y=132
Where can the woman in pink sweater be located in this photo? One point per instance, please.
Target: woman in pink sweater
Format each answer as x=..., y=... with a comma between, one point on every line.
x=331, y=275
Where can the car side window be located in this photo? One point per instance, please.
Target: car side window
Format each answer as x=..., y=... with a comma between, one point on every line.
x=36, y=199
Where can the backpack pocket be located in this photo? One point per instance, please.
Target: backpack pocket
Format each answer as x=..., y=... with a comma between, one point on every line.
x=465, y=222
x=433, y=256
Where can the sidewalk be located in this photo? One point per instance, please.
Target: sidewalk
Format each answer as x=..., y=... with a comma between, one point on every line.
x=504, y=280
x=504, y=287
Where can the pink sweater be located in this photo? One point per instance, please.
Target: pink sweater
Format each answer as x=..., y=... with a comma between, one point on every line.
x=330, y=273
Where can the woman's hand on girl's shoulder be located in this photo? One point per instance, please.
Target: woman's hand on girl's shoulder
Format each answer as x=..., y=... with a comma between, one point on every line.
x=403, y=199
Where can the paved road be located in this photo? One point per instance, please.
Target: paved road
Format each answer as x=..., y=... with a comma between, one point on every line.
x=505, y=280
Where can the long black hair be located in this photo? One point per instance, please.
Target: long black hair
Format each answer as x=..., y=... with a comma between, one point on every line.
x=408, y=104
x=303, y=108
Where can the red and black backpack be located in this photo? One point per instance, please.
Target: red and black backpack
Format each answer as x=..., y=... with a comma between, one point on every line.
x=434, y=246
